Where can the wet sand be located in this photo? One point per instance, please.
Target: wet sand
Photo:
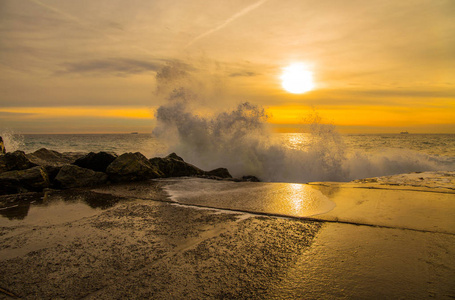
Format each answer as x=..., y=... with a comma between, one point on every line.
x=134, y=241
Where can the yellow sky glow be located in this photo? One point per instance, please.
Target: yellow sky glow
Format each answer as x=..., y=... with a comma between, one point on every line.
x=364, y=116
x=375, y=65
x=65, y=112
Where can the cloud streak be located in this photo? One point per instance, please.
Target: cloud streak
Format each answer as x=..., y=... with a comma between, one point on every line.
x=225, y=23
x=58, y=11
x=243, y=74
x=117, y=66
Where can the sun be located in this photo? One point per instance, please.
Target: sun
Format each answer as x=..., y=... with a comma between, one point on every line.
x=297, y=79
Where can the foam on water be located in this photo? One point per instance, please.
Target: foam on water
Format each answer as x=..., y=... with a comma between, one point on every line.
x=439, y=180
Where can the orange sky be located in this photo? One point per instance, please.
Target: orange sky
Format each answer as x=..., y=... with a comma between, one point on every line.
x=89, y=66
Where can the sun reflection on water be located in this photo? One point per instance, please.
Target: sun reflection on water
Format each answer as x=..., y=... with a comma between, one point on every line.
x=297, y=196
x=304, y=200
x=297, y=141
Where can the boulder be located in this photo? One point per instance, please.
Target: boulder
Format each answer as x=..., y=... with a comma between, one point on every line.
x=21, y=181
x=174, y=166
x=45, y=157
x=52, y=172
x=174, y=156
x=71, y=176
x=250, y=178
x=220, y=172
x=132, y=167
x=16, y=160
x=73, y=156
x=2, y=146
x=96, y=161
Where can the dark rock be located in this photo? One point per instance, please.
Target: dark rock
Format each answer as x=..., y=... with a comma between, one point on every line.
x=174, y=166
x=2, y=146
x=21, y=181
x=160, y=164
x=45, y=157
x=96, y=161
x=250, y=178
x=174, y=156
x=73, y=156
x=71, y=176
x=220, y=172
x=132, y=167
x=52, y=172
x=16, y=160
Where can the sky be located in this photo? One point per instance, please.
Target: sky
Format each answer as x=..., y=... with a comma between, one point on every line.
x=90, y=66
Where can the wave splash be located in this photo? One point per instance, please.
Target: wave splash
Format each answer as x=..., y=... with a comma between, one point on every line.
x=239, y=140
x=12, y=141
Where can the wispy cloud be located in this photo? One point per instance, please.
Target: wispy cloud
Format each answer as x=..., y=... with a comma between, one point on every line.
x=225, y=23
x=112, y=66
x=243, y=74
x=60, y=12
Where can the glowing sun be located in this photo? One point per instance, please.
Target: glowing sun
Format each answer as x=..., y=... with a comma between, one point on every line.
x=297, y=79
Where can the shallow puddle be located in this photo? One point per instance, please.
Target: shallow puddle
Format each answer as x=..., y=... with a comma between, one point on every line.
x=289, y=199
x=54, y=207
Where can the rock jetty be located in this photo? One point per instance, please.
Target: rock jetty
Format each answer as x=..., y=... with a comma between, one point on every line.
x=34, y=172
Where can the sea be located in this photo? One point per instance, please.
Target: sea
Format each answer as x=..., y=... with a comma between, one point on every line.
x=281, y=157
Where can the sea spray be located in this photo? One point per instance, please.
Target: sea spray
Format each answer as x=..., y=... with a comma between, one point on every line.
x=11, y=140
x=393, y=161
x=239, y=140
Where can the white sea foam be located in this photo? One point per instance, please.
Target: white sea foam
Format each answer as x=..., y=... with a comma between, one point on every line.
x=433, y=180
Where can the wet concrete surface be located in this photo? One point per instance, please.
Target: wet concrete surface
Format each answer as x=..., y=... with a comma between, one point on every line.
x=141, y=244
x=362, y=262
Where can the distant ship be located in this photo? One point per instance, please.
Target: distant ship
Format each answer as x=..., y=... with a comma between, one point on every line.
x=404, y=132
x=134, y=132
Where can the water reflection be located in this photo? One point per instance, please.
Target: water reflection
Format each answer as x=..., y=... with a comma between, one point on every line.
x=16, y=207
x=304, y=200
x=328, y=189
x=297, y=141
x=15, y=212
x=296, y=199
x=54, y=205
